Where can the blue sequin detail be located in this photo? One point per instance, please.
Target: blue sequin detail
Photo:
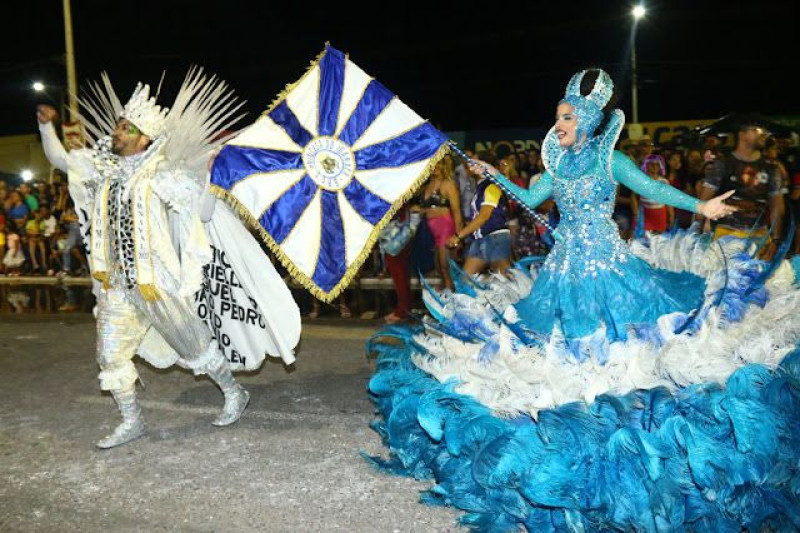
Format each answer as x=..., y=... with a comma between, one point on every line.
x=590, y=278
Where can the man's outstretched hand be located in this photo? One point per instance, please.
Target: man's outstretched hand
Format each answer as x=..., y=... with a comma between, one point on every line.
x=46, y=113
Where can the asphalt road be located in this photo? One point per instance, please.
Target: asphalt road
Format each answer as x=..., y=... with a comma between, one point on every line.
x=290, y=464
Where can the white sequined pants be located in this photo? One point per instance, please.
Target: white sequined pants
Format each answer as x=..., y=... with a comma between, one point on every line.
x=124, y=317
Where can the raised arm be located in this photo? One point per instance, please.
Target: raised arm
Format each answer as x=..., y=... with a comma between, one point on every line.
x=626, y=172
x=53, y=148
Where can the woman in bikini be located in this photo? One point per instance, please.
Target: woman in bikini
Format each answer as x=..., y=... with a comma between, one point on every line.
x=441, y=205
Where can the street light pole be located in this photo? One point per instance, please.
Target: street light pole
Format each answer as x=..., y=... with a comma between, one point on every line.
x=72, y=83
x=634, y=80
x=638, y=12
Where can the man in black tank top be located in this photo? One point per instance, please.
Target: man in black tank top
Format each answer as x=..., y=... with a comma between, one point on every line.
x=759, y=193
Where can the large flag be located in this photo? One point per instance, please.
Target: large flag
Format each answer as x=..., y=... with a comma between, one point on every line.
x=325, y=168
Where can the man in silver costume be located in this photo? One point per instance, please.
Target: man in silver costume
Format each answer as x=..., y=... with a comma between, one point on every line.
x=147, y=246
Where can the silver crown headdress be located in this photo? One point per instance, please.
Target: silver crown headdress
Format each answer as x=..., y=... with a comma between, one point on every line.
x=589, y=108
x=144, y=113
x=196, y=126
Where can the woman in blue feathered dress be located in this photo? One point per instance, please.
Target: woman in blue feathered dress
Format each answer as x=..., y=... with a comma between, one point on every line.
x=591, y=279
x=650, y=386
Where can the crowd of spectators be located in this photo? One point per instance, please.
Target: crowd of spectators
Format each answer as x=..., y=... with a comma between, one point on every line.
x=487, y=229
x=39, y=231
x=460, y=216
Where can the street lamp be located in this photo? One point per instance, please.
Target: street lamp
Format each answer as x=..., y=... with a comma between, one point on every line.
x=41, y=88
x=638, y=13
x=26, y=175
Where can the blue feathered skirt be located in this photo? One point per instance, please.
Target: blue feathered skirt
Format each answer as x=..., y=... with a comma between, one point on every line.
x=690, y=424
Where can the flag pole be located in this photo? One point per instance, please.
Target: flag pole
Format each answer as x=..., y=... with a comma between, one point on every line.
x=488, y=175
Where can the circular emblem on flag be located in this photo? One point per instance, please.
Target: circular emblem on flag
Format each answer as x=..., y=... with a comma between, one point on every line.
x=329, y=162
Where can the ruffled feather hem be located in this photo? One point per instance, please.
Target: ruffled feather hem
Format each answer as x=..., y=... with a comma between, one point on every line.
x=705, y=458
x=477, y=341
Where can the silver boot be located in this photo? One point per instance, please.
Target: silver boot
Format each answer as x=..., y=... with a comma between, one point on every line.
x=132, y=426
x=236, y=398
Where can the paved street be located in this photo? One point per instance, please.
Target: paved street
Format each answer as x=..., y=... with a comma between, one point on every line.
x=290, y=464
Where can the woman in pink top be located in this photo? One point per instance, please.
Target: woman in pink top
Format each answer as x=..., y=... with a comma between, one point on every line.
x=657, y=217
x=441, y=204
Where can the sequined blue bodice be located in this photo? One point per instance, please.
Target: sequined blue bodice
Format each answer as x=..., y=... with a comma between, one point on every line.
x=583, y=183
x=585, y=196
x=591, y=280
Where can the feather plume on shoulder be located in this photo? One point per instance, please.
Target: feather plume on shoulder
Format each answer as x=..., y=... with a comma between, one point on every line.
x=203, y=110
x=100, y=108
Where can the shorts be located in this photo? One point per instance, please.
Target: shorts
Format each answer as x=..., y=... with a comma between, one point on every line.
x=442, y=228
x=494, y=247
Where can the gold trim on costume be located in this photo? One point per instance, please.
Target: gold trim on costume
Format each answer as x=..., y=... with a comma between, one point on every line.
x=103, y=278
x=98, y=244
x=149, y=292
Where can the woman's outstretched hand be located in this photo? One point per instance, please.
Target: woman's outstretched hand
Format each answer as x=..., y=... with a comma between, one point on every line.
x=479, y=168
x=716, y=208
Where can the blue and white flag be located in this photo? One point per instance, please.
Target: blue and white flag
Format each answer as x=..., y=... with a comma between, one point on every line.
x=325, y=168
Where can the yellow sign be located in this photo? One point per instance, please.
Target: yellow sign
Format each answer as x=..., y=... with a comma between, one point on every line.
x=73, y=136
x=661, y=132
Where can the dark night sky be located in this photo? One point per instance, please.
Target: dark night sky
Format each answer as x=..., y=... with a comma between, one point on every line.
x=502, y=64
